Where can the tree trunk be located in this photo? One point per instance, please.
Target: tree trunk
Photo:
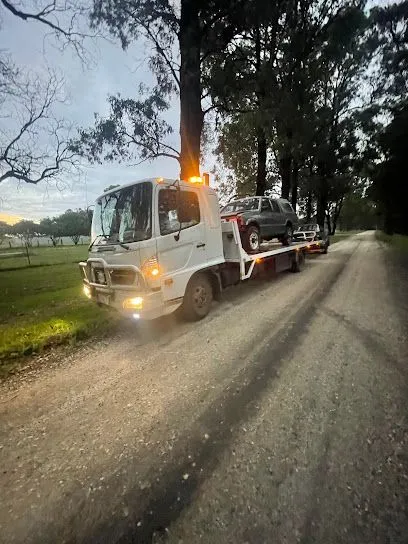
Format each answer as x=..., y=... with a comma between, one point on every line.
x=321, y=209
x=261, y=162
x=309, y=207
x=337, y=212
x=329, y=225
x=295, y=180
x=191, y=113
x=285, y=171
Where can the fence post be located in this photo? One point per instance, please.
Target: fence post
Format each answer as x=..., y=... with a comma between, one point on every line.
x=28, y=255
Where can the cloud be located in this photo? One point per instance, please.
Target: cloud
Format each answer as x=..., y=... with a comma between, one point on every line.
x=45, y=199
x=115, y=72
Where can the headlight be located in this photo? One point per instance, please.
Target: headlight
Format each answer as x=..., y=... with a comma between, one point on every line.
x=135, y=303
x=87, y=291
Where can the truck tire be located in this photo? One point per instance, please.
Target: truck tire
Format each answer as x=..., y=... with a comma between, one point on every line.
x=198, y=298
x=251, y=239
x=298, y=261
x=287, y=238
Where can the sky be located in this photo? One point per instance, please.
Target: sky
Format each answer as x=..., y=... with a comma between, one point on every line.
x=87, y=88
x=113, y=71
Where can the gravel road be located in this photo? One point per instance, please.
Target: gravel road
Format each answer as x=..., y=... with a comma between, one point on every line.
x=280, y=418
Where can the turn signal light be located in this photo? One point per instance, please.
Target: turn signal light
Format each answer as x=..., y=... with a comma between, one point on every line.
x=151, y=267
x=135, y=303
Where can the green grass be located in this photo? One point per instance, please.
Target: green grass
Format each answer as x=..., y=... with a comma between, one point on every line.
x=396, y=241
x=40, y=256
x=42, y=306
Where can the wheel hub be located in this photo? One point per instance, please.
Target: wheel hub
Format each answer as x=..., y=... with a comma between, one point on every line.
x=254, y=240
x=200, y=296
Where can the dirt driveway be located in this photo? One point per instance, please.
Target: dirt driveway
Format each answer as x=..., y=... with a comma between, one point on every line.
x=282, y=417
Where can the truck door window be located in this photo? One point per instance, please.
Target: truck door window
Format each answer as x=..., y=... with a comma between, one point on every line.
x=168, y=206
x=266, y=206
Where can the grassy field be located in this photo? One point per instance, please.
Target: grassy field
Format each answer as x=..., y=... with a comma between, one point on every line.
x=44, y=305
x=396, y=241
x=41, y=256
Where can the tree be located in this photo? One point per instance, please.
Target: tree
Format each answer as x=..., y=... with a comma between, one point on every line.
x=26, y=230
x=390, y=189
x=183, y=39
x=4, y=229
x=389, y=33
x=33, y=142
x=272, y=80
x=358, y=211
x=74, y=223
x=51, y=228
x=65, y=20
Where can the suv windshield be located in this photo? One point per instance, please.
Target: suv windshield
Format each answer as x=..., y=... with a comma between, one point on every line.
x=244, y=205
x=124, y=216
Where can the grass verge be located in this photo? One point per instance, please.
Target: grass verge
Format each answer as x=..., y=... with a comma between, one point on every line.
x=15, y=258
x=44, y=306
x=396, y=241
x=339, y=236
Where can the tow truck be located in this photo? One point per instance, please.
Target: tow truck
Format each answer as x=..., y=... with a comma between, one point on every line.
x=159, y=245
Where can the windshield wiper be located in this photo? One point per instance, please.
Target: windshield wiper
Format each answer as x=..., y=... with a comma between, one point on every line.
x=94, y=240
x=105, y=237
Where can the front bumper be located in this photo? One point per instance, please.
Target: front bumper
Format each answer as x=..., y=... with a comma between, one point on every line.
x=99, y=277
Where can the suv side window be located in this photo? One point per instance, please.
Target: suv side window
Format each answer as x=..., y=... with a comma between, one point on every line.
x=168, y=218
x=275, y=206
x=265, y=205
x=287, y=207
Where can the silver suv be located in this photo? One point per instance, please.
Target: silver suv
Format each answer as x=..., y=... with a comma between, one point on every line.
x=260, y=218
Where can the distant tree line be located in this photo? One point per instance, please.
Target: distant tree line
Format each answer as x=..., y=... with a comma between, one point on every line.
x=72, y=224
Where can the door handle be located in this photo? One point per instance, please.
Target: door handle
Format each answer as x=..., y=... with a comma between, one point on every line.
x=200, y=245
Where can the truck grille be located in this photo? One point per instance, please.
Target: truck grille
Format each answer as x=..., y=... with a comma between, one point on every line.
x=100, y=277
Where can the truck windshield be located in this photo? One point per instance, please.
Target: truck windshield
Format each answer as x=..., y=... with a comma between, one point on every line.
x=124, y=215
x=244, y=205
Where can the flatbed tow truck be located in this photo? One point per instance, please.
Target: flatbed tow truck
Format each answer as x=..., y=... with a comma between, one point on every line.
x=159, y=245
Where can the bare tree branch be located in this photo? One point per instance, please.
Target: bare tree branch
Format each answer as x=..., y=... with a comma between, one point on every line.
x=61, y=17
x=33, y=143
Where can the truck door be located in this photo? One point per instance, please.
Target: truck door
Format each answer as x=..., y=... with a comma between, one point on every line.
x=181, y=246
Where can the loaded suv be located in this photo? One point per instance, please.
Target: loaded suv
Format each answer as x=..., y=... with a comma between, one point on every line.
x=261, y=218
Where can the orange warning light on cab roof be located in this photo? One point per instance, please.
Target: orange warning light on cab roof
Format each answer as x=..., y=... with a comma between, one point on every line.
x=196, y=179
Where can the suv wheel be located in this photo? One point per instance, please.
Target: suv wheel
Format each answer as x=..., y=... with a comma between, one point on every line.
x=251, y=239
x=287, y=238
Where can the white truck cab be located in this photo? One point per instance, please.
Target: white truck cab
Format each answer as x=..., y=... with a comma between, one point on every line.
x=158, y=244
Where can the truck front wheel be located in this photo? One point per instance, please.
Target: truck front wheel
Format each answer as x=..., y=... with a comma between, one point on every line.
x=198, y=298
